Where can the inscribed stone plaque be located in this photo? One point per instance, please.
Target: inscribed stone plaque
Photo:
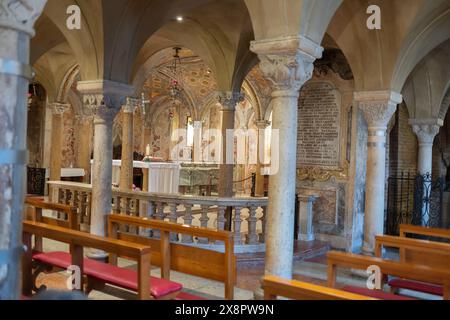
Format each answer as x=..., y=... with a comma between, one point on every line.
x=319, y=125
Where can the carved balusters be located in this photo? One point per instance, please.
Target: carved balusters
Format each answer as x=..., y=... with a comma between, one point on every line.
x=159, y=216
x=252, y=236
x=173, y=217
x=185, y=238
x=116, y=205
x=221, y=220
x=134, y=212
x=204, y=223
x=262, y=237
x=237, y=226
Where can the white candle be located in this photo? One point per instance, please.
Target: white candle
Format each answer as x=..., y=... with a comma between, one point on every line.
x=147, y=150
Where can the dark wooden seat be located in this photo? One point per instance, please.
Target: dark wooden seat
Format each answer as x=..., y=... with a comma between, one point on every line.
x=96, y=272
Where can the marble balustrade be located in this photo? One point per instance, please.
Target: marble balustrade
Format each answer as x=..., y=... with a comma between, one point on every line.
x=248, y=219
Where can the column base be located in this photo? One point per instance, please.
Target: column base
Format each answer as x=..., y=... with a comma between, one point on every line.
x=97, y=255
x=306, y=237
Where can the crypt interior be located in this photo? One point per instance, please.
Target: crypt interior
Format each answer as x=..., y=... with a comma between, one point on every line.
x=286, y=129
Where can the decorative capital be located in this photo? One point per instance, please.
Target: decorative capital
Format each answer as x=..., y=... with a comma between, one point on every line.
x=59, y=108
x=82, y=119
x=262, y=124
x=378, y=107
x=104, y=98
x=426, y=129
x=20, y=15
x=229, y=99
x=287, y=62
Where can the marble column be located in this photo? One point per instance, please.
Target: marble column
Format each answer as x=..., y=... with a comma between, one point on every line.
x=104, y=99
x=287, y=63
x=126, y=168
x=262, y=125
x=378, y=107
x=58, y=110
x=84, y=124
x=426, y=130
x=16, y=28
x=228, y=101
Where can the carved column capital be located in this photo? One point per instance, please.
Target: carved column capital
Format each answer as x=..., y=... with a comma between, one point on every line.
x=262, y=124
x=287, y=62
x=20, y=15
x=229, y=99
x=58, y=108
x=83, y=119
x=378, y=107
x=104, y=99
x=426, y=129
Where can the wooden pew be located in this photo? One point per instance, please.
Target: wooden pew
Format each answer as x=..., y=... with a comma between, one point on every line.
x=97, y=271
x=183, y=258
x=419, y=252
x=297, y=290
x=438, y=276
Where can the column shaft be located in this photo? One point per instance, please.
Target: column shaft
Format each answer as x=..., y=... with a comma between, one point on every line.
x=378, y=108
x=281, y=209
x=126, y=169
x=16, y=28
x=226, y=170
x=84, y=145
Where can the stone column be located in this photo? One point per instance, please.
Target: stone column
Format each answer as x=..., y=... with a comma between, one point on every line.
x=426, y=130
x=378, y=108
x=16, y=28
x=287, y=63
x=228, y=101
x=104, y=99
x=262, y=126
x=84, y=124
x=126, y=168
x=58, y=110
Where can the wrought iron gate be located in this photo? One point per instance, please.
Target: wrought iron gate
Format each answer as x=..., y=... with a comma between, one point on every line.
x=414, y=199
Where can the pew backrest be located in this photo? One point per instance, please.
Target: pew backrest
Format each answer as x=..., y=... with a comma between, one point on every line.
x=192, y=260
x=434, y=275
x=292, y=289
x=406, y=229
x=79, y=240
x=414, y=251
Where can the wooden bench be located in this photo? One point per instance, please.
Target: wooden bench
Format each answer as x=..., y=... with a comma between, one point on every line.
x=297, y=290
x=96, y=272
x=437, y=276
x=187, y=259
x=420, y=252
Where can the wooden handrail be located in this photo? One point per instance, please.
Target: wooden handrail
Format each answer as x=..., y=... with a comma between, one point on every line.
x=298, y=290
x=79, y=240
x=166, y=252
x=425, y=231
x=423, y=273
x=170, y=227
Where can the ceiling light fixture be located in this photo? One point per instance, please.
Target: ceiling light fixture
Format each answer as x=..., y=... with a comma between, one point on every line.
x=180, y=18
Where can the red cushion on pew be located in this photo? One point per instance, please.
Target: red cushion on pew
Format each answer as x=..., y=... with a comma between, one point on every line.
x=378, y=294
x=127, y=278
x=120, y=277
x=187, y=296
x=417, y=286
